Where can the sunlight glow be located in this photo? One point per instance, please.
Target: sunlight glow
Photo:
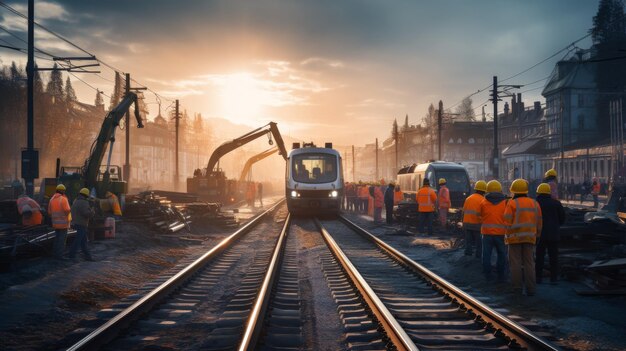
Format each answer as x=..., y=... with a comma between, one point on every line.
x=243, y=97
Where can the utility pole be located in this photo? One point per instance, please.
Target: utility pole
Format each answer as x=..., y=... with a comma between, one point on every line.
x=177, y=118
x=484, y=143
x=496, y=153
x=439, y=127
x=30, y=156
x=561, y=166
x=353, y=166
x=376, y=159
x=127, y=160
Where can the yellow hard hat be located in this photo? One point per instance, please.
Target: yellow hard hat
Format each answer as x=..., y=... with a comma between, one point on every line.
x=544, y=188
x=551, y=173
x=480, y=185
x=442, y=181
x=60, y=187
x=519, y=186
x=493, y=186
x=84, y=191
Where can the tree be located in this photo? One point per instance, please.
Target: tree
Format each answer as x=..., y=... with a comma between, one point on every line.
x=55, y=84
x=117, y=91
x=405, y=127
x=99, y=101
x=465, y=110
x=394, y=129
x=38, y=87
x=609, y=39
x=16, y=73
x=70, y=94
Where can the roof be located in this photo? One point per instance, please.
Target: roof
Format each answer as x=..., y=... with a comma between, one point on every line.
x=314, y=150
x=574, y=73
x=528, y=146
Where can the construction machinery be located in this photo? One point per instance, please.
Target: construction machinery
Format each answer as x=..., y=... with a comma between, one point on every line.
x=245, y=172
x=212, y=184
x=92, y=175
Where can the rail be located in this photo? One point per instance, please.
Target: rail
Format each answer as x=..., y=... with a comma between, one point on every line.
x=254, y=324
x=109, y=330
x=518, y=335
x=394, y=331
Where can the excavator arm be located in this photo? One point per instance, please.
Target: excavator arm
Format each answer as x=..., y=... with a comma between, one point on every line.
x=254, y=159
x=107, y=134
x=244, y=139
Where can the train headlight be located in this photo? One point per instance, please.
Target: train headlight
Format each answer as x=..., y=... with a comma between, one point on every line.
x=333, y=193
x=294, y=194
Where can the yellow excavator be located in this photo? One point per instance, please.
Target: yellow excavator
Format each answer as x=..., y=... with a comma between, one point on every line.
x=245, y=172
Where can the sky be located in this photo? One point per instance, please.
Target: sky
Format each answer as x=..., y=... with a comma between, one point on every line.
x=338, y=71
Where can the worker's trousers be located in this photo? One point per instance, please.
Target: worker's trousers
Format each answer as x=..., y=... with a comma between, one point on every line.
x=492, y=243
x=552, y=246
x=473, y=240
x=80, y=241
x=59, y=243
x=389, y=213
x=443, y=216
x=522, y=266
x=425, y=218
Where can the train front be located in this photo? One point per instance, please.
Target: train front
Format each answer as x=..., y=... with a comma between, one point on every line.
x=314, y=181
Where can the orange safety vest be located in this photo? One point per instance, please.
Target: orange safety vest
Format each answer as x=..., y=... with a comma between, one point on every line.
x=471, y=212
x=444, y=197
x=426, y=199
x=397, y=197
x=492, y=218
x=595, y=190
x=523, y=217
x=35, y=218
x=59, y=211
x=115, y=205
x=363, y=192
x=379, y=198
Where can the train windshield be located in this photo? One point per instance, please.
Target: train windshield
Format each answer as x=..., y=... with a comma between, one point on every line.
x=456, y=180
x=314, y=168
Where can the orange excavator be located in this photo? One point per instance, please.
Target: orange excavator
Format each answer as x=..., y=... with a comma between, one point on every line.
x=245, y=173
x=211, y=183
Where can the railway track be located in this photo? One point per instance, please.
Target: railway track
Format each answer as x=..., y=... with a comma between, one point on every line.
x=359, y=294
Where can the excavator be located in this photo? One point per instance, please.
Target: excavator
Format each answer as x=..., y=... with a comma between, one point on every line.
x=245, y=172
x=212, y=184
x=90, y=175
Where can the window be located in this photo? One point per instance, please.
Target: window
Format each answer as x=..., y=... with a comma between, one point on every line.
x=472, y=155
x=581, y=100
x=314, y=168
x=581, y=121
x=595, y=167
x=459, y=141
x=471, y=141
x=451, y=141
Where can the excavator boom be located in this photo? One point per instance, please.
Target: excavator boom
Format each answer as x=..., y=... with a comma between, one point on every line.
x=254, y=159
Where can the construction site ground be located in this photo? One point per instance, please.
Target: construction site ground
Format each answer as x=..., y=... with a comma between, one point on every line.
x=42, y=299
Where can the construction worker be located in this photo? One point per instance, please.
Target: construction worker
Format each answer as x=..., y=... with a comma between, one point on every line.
x=524, y=221
x=82, y=212
x=443, y=202
x=397, y=195
x=389, y=199
x=471, y=219
x=260, y=192
x=110, y=205
x=59, y=211
x=379, y=201
x=595, y=191
x=493, y=228
x=363, y=195
x=29, y=209
x=550, y=178
x=553, y=216
x=426, y=201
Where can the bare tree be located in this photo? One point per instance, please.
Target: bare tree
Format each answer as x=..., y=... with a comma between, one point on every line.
x=465, y=110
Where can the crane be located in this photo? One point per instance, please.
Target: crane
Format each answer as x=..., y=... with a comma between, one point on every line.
x=212, y=185
x=89, y=175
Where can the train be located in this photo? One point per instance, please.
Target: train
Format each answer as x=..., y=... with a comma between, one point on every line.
x=314, y=180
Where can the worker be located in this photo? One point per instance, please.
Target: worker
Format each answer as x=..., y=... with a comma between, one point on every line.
x=260, y=192
x=363, y=194
x=426, y=201
x=389, y=200
x=595, y=191
x=524, y=221
x=553, y=216
x=59, y=211
x=471, y=219
x=82, y=212
x=379, y=201
x=397, y=195
x=110, y=206
x=443, y=202
x=493, y=228
x=29, y=209
x=550, y=178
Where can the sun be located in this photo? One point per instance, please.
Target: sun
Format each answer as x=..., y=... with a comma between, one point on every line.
x=242, y=97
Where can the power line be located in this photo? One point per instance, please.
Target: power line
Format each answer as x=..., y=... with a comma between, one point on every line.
x=24, y=41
